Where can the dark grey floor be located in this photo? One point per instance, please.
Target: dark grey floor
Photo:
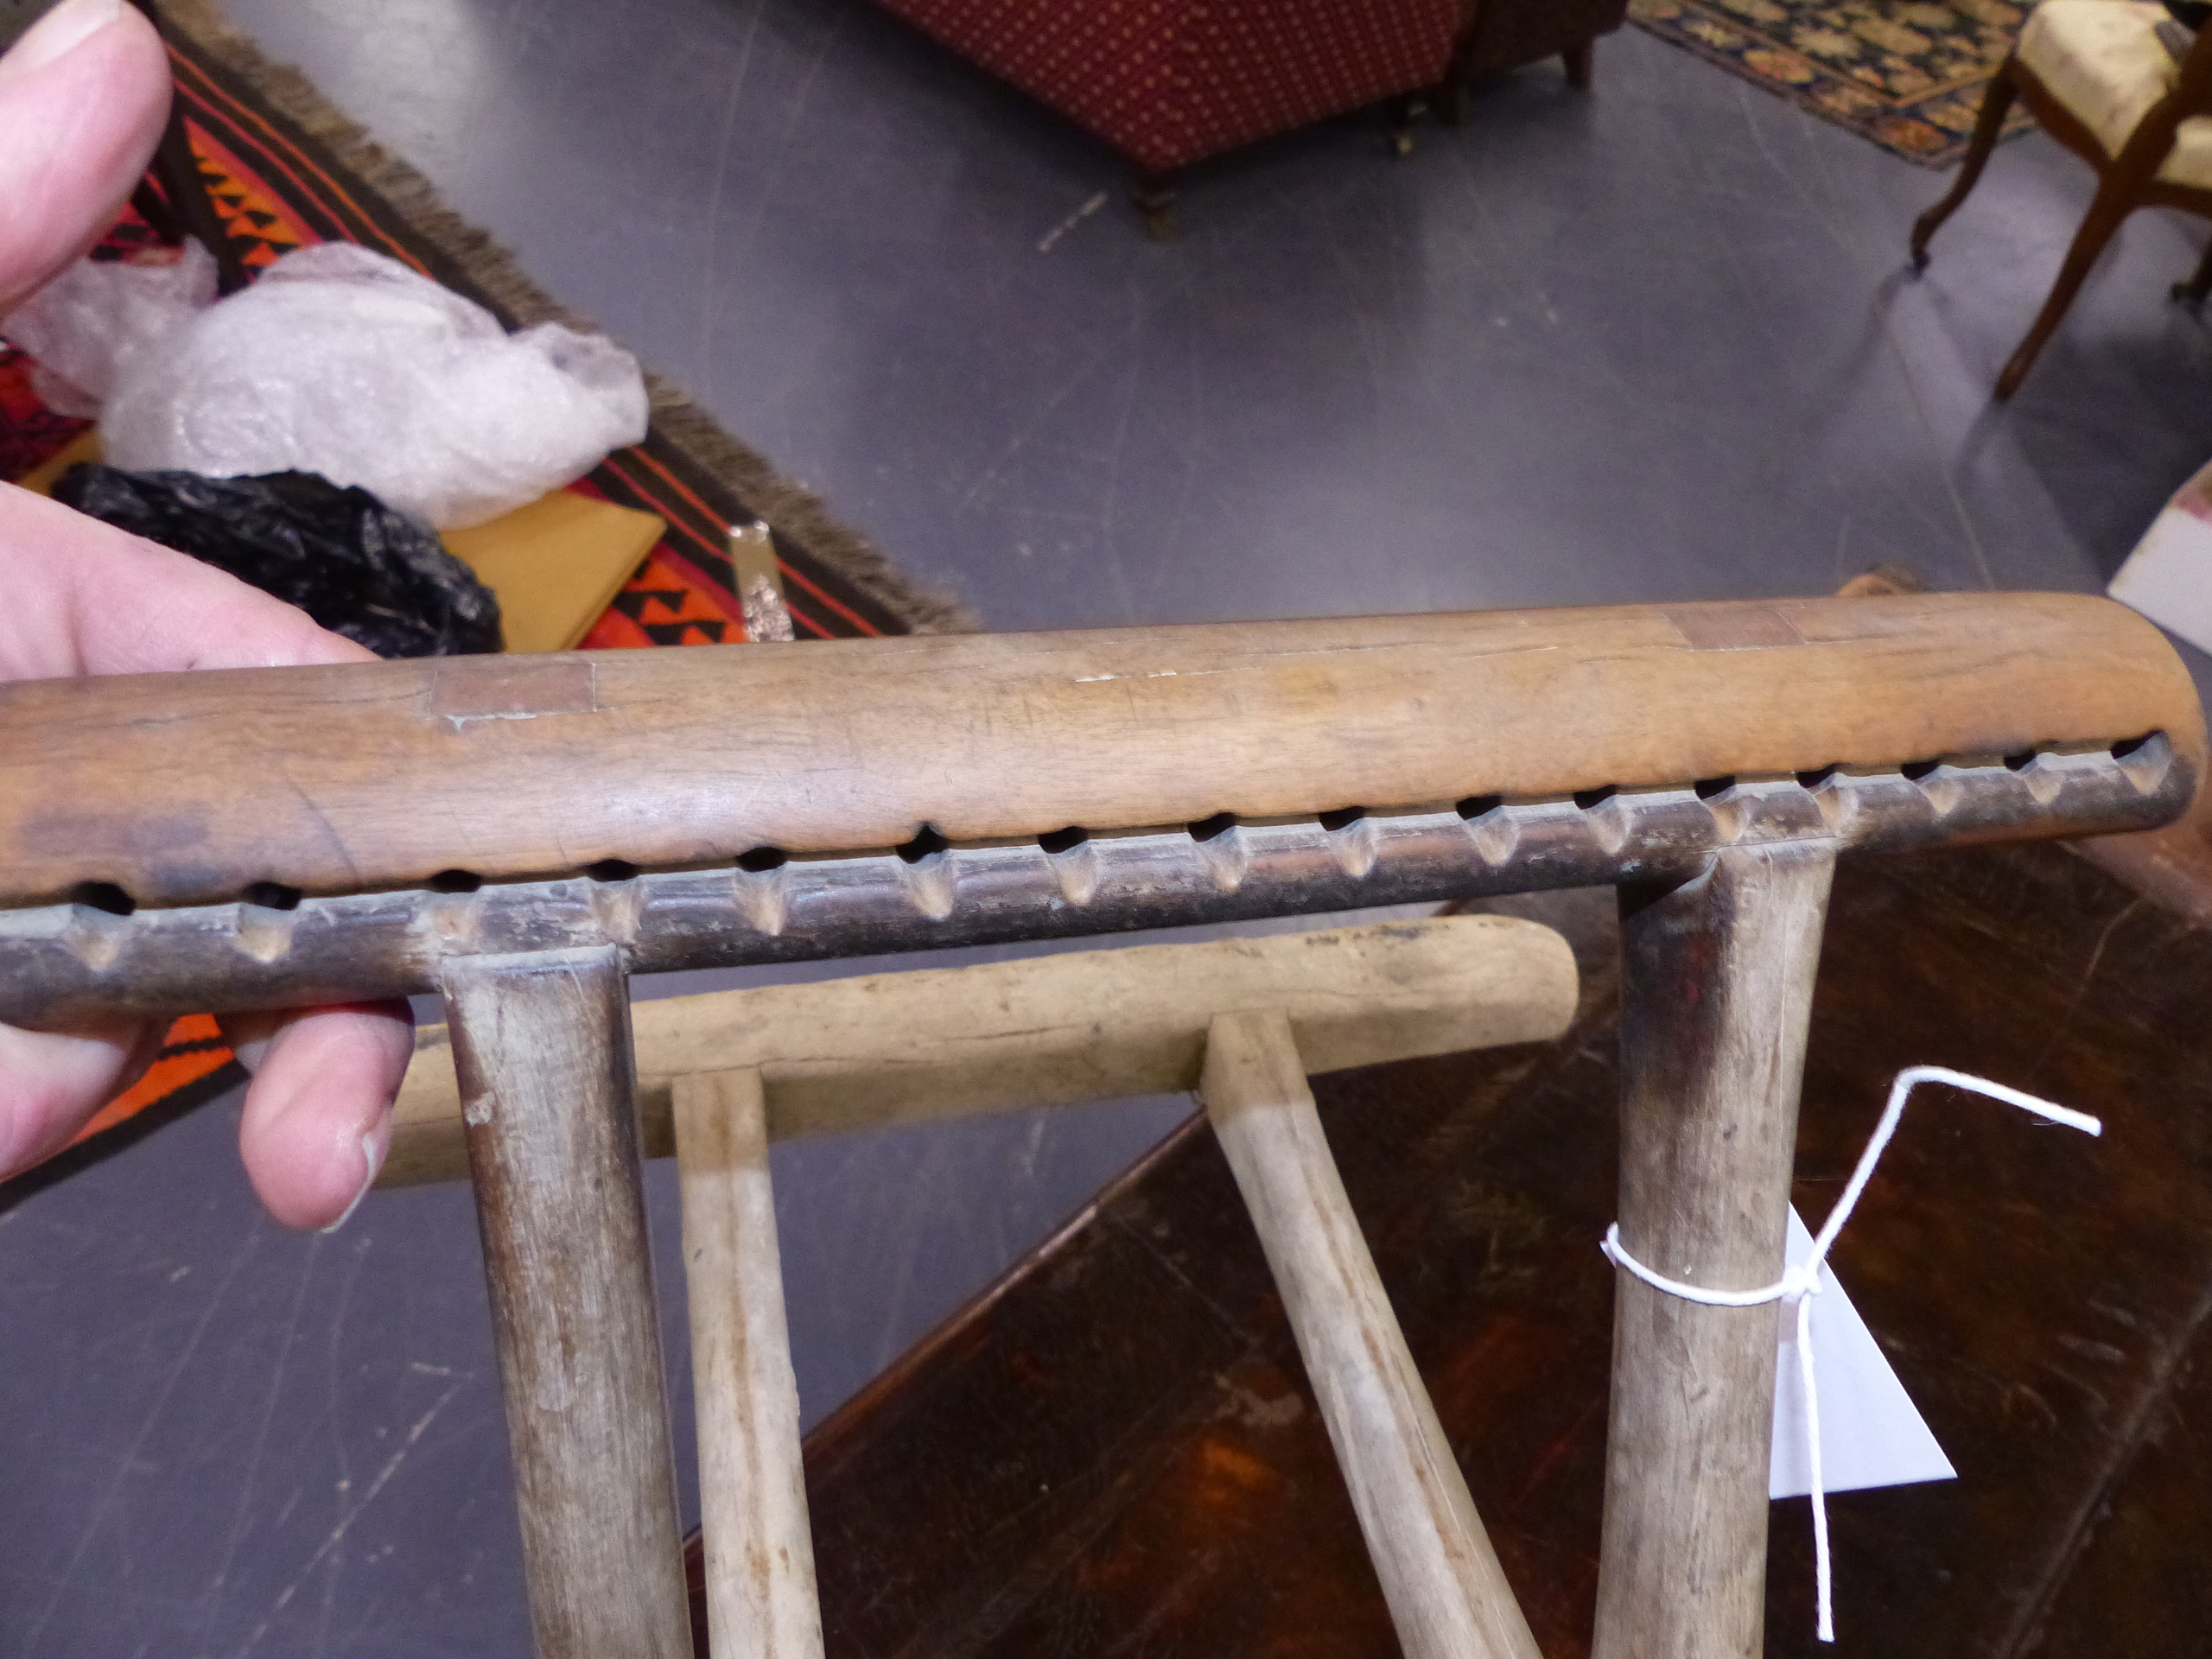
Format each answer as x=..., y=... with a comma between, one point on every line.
x=1652, y=343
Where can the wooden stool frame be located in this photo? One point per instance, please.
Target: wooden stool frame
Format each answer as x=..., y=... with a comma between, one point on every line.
x=1709, y=761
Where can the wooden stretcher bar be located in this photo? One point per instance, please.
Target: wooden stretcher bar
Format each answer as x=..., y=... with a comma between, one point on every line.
x=882, y=1050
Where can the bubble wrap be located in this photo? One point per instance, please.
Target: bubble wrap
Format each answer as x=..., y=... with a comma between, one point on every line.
x=345, y=362
x=86, y=323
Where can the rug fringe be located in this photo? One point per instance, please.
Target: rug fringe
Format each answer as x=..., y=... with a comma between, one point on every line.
x=795, y=512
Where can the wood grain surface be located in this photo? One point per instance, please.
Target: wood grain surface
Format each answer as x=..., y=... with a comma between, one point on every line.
x=880, y=1049
x=543, y=1048
x=194, y=788
x=758, y=1561
x=1447, y=1596
x=1115, y=1453
x=1716, y=994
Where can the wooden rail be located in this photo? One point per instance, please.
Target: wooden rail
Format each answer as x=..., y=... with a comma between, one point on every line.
x=214, y=787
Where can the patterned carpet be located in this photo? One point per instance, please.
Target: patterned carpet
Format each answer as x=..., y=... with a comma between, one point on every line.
x=1907, y=73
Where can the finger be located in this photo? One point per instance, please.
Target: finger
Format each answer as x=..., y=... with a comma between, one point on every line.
x=51, y=1083
x=84, y=96
x=318, y=1112
x=80, y=597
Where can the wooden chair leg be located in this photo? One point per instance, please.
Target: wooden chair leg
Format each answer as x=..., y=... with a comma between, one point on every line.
x=1447, y=1595
x=1716, y=996
x=2192, y=293
x=542, y=1050
x=2115, y=201
x=1580, y=59
x=1996, y=105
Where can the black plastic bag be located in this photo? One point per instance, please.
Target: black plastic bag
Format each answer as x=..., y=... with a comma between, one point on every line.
x=356, y=566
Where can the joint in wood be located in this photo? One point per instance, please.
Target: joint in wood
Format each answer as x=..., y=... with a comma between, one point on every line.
x=617, y=903
x=2144, y=760
x=1940, y=784
x=1074, y=863
x=1609, y=816
x=1222, y=847
x=96, y=936
x=264, y=933
x=927, y=872
x=1351, y=840
x=452, y=921
x=762, y=889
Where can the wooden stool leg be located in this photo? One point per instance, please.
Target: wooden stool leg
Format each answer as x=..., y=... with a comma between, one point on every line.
x=541, y=1048
x=1716, y=990
x=761, y=1594
x=1448, y=1598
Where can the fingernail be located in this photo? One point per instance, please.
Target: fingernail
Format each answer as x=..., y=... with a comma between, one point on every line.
x=374, y=1160
x=67, y=25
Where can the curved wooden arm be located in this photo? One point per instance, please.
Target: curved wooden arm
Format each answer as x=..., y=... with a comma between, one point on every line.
x=193, y=788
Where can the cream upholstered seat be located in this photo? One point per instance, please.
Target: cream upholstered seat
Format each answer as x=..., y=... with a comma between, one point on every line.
x=2104, y=62
x=2100, y=78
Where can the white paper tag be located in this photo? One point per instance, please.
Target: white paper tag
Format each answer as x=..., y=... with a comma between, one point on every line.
x=1871, y=1433
x=2169, y=575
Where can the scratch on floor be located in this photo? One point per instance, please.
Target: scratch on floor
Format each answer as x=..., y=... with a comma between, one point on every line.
x=246, y=1483
x=709, y=310
x=2064, y=1022
x=130, y=1459
x=337, y=1534
x=1024, y=434
x=2127, y=1444
x=1045, y=242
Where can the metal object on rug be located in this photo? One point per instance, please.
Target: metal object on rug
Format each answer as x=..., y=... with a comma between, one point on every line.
x=760, y=583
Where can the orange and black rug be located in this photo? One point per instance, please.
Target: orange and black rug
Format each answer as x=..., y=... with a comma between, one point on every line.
x=286, y=170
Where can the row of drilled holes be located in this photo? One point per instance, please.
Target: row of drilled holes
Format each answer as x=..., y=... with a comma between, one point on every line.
x=108, y=897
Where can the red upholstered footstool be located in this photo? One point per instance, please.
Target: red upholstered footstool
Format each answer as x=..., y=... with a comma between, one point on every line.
x=1170, y=82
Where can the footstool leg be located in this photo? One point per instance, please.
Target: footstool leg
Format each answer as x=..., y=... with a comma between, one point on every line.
x=541, y=1048
x=1716, y=994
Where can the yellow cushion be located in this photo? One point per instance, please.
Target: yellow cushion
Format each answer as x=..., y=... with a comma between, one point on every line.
x=2104, y=62
x=2190, y=164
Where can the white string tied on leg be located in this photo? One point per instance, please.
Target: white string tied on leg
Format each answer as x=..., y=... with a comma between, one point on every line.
x=1802, y=1282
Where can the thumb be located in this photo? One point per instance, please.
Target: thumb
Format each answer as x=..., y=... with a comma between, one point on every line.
x=84, y=96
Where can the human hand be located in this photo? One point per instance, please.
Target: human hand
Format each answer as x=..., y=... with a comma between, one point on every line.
x=82, y=98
